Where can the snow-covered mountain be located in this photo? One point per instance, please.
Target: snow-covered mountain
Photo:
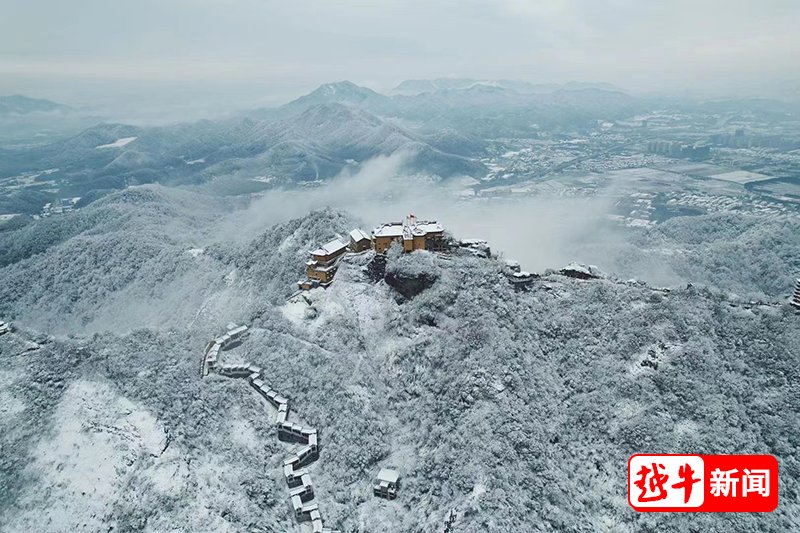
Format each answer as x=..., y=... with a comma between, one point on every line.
x=319, y=141
x=311, y=140
x=509, y=409
x=442, y=132
x=148, y=257
x=343, y=92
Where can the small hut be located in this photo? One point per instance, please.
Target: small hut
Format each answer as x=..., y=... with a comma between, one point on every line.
x=387, y=483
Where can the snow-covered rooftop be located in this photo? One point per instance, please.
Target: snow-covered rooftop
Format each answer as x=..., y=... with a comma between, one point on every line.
x=392, y=229
x=330, y=248
x=358, y=235
x=577, y=267
x=389, y=475
x=399, y=229
x=327, y=268
x=423, y=228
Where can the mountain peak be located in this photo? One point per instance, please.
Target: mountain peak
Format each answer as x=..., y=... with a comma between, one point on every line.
x=337, y=92
x=342, y=86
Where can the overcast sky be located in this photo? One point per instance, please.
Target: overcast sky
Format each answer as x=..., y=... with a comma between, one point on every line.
x=273, y=50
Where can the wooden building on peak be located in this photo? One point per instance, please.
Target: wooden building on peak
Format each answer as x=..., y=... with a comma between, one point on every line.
x=412, y=234
x=323, y=264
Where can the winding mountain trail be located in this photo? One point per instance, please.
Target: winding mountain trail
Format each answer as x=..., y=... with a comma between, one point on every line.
x=298, y=478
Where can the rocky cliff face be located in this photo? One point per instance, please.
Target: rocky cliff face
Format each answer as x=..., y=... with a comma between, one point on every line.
x=411, y=274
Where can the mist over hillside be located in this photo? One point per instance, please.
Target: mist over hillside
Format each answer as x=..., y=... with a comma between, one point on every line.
x=27, y=122
x=155, y=256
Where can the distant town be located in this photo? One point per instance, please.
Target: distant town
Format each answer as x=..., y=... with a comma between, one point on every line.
x=656, y=166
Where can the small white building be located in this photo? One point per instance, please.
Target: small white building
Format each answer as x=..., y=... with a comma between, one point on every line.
x=387, y=483
x=796, y=298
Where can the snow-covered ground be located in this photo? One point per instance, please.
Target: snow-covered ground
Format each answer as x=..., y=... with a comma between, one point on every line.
x=108, y=459
x=303, y=306
x=495, y=404
x=119, y=143
x=99, y=439
x=11, y=405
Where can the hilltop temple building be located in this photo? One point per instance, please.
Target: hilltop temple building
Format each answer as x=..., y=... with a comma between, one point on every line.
x=412, y=234
x=796, y=298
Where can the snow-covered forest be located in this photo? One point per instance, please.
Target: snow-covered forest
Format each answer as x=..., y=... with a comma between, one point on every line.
x=512, y=410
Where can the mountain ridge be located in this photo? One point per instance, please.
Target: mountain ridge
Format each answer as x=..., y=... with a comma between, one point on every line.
x=18, y=104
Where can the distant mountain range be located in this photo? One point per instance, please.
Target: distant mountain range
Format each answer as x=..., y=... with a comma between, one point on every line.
x=27, y=122
x=301, y=144
x=440, y=125
x=415, y=87
x=432, y=104
x=22, y=105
